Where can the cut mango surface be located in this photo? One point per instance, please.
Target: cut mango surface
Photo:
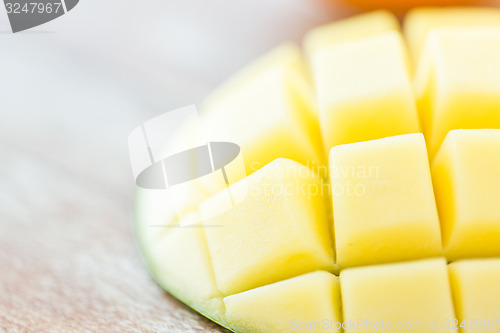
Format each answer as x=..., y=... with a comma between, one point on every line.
x=455, y=87
x=365, y=195
x=196, y=283
x=274, y=308
x=416, y=297
x=383, y=203
x=280, y=230
x=270, y=104
x=421, y=21
x=477, y=295
x=364, y=90
x=347, y=30
x=466, y=181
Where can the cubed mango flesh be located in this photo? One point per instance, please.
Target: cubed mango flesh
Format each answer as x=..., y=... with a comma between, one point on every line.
x=457, y=83
x=364, y=90
x=401, y=297
x=194, y=283
x=349, y=29
x=275, y=307
x=279, y=230
x=383, y=202
x=420, y=21
x=477, y=294
x=466, y=176
x=273, y=103
x=262, y=248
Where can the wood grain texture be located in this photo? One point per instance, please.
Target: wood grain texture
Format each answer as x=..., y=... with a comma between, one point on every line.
x=69, y=95
x=68, y=260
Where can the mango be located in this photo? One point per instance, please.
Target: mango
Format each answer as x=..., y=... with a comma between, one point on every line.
x=383, y=202
x=420, y=22
x=194, y=283
x=466, y=180
x=365, y=192
x=364, y=90
x=349, y=29
x=455, y=87
x=279, y=230
x=272, y=102
x=399, y=6
x=410, y=297
x=274, y=308
x=476, y=293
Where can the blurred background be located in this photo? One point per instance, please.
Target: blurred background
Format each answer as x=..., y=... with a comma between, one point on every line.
x=70, y=93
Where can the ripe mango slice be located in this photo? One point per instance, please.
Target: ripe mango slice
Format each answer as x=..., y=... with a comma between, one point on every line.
x=274, y=308
x=477, y=295
x=278, y=231
x=398, y=297
x=455, y=87
x=420, y=21
x=364, y=90
x=466, y=180
x=383, y=203
x=264, y=253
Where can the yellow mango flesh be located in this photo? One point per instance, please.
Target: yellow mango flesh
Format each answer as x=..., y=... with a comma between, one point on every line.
x=287, y=56
x=477, y=295
x=272, y=104
x=387, y=297
x=349, y=29
x=455, y=87
x=466, y=180
x=266, y=264
x=279, y=230
x=195, y=282
x=420, y=21
x=275, y=307
x=276, y=96
x=383, y=202
x=364, y=90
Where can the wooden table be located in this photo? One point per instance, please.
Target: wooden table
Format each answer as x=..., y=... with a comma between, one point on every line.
x=70, y=92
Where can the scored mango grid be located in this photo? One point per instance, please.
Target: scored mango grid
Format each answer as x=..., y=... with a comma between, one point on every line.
x=334, y=249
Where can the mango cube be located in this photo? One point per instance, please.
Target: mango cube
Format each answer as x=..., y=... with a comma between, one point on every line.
x=410, y=297
x=466, y=180
x=181, y=264
x=477, y=294
x=349, y=29
x=457, y=82
x=420, y=22
x=309, y=302
x=270, y=102
x=364, y=90
x=383, y=202
x=279, y=230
